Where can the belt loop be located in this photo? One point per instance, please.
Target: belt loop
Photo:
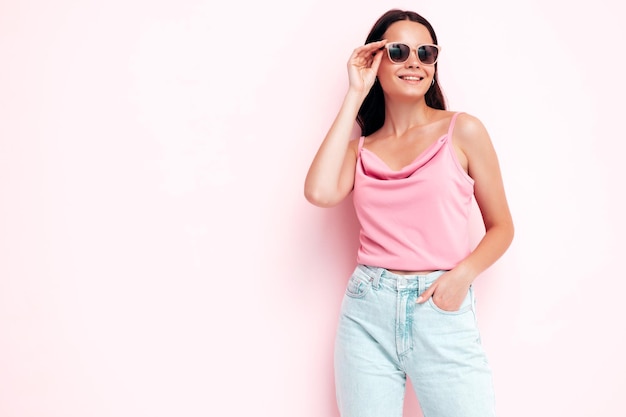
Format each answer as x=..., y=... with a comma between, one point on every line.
x=421, y=284
x=376, y=277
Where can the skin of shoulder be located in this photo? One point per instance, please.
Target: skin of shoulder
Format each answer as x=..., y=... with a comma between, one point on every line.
x=471, y=136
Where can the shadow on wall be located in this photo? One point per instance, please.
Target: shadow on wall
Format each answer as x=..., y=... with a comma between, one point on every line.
x=332, y=235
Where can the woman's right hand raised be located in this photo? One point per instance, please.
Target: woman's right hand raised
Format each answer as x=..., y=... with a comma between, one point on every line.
x=363, y=66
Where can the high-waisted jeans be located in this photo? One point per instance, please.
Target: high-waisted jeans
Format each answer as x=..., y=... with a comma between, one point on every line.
x=383, y=336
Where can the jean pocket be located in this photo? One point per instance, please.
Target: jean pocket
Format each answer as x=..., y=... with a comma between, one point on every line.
x=465, y=306
x=359, y=285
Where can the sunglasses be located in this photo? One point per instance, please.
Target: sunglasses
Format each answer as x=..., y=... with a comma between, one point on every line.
x=399, y=52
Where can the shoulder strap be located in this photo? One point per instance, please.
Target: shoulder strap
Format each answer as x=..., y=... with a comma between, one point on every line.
x=452, y=123
x=361, y=139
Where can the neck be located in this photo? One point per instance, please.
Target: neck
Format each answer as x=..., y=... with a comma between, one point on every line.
x=402, y=116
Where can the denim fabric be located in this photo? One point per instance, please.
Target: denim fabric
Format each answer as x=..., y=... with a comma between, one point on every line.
x=383, y=336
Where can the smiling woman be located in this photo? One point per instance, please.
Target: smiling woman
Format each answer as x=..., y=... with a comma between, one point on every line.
x=157, y=254
x=409, y=308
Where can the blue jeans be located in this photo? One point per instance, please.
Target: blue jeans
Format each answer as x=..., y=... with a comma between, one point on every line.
x=383, y=336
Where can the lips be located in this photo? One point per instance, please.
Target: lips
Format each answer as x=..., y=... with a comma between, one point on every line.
x=411, y=78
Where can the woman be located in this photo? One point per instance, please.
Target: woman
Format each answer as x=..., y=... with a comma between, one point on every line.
x=414, y=173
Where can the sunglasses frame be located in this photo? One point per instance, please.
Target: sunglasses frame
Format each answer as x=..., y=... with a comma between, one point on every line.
x=389, y=44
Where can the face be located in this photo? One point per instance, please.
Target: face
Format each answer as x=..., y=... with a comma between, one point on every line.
x=412, y=77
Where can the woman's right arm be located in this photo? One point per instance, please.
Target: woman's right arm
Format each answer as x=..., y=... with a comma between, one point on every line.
x=331, y=174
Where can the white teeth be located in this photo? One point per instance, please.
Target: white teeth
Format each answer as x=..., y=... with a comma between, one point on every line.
x=412, y=78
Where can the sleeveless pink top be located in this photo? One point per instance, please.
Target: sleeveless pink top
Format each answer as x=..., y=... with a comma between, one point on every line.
x=415, y=219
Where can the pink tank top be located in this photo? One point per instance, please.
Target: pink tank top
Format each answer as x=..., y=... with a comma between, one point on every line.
x=415, y=219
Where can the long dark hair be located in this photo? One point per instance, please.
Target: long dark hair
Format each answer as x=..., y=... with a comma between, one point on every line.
x=371, y=115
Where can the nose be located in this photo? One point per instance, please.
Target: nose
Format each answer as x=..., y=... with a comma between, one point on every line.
x=413, y=61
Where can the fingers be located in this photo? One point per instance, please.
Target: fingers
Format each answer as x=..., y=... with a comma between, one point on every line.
x=367, y=55
x=378, y=56
x=426, y=294
x=372, y=48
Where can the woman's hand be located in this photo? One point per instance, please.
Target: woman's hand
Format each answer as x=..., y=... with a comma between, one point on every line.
x=363, y=66
x=448, y=291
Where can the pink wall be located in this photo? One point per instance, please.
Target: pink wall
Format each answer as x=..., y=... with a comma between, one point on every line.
x=157, y=257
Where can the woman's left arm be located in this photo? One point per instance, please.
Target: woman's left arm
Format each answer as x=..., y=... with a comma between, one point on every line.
x=471, y=137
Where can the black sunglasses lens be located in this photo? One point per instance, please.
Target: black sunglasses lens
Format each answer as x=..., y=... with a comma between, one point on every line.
x=398, y=52
x=427, y=54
